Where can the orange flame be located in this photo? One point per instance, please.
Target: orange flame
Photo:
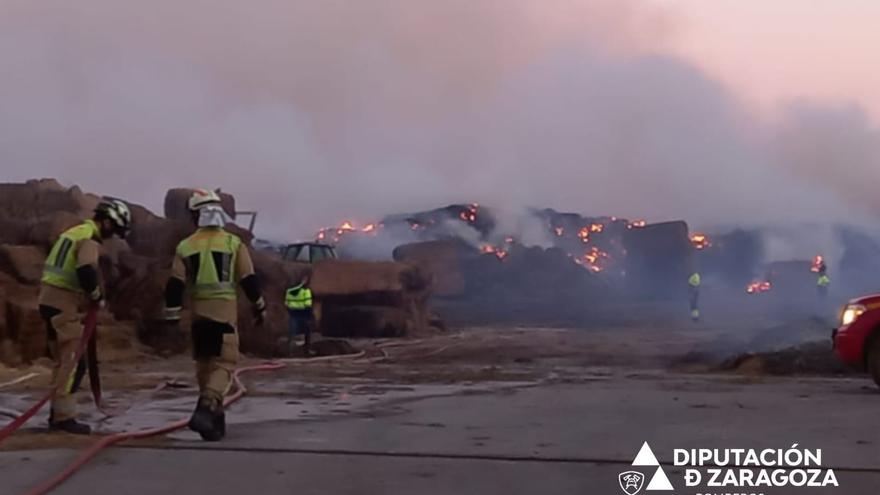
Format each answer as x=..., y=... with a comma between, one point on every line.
x=559, y=231
x=470, y=215
x=498, y=252
x=700, y=241
x=637, y=224
x=758, y=287
x=597, y=227
x=593, y=259
x=369, y=228
x=584, y=234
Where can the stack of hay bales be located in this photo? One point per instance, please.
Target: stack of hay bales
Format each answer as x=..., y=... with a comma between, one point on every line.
x=367, y=299
x=442, y=260
x=659, y=260
x=32, y=215
x=275, y=276
x=134, y=271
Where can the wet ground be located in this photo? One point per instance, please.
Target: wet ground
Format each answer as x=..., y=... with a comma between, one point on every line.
x=483, y=411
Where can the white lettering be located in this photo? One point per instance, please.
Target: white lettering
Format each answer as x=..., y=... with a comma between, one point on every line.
x=692, y=477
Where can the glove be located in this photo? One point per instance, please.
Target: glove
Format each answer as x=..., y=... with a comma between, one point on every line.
x=96, y=299
x=259, y=312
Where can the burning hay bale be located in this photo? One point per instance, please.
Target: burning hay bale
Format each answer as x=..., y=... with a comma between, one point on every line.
x=733, y=258
x=444, y=222
x=659, y=260
x=376, y=240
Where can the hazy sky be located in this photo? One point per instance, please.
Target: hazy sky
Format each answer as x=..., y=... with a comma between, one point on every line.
x=781, y=49
x=312, y=111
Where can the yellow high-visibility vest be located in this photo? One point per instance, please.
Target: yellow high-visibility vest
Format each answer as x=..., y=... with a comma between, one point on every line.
x=694, y=280
x=60, y=267
x=298, y=298
x=210, y=257
x=823, y=281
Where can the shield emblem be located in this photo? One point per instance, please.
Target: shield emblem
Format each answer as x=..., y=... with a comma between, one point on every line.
x=631, y=482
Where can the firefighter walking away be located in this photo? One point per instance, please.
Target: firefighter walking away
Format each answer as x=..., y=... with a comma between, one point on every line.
x=210, y=265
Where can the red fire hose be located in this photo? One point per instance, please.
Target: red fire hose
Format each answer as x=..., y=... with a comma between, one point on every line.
x=91, y=322
x=108, y=441
x=91, y=452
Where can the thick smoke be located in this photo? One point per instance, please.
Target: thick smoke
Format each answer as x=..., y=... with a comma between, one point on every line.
x=314, y=111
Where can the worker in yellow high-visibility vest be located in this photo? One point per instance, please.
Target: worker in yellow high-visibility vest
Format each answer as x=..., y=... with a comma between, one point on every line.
x=70, y=281
x=212, y=263
x=298, y=300
x=694, y=285
x=822, y=284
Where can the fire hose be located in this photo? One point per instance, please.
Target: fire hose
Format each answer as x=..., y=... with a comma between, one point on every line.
x=110, y=440
x=18, y=380
x=91, y=322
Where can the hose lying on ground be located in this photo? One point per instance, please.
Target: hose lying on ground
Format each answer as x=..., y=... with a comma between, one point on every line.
x=113, y=439
x=91, y=322
x=110, y=440
x=18, y=380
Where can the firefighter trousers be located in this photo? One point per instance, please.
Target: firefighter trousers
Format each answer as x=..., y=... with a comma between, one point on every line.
x=64, y=332
x=215, y=350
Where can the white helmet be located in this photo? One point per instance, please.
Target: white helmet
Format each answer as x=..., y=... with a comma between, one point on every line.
x=202, y=198
x=118, y=213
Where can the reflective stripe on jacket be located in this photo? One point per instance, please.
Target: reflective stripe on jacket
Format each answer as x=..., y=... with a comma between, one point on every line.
x=210, y=257
x=298, y=298
x=60, y=268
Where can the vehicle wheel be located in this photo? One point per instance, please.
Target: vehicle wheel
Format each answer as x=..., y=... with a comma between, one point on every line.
x=873, y=360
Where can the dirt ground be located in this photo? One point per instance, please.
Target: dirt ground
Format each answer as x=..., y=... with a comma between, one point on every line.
x=465, y=356
x=484, y=353
x=479, y=395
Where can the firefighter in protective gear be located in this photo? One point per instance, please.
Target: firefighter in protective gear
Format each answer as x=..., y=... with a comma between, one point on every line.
x=298, y=300
x=70, y=282
x=694, y=286
x=210, y=265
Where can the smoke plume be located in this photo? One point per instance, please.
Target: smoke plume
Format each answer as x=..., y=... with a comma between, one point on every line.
x=313, y=111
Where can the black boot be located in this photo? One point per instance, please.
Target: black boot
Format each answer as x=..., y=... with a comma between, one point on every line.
x=69, y=426
x=220, y=424
x=204, y=420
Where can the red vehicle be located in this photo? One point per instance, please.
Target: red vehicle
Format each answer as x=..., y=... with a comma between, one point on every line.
x=857, y=341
